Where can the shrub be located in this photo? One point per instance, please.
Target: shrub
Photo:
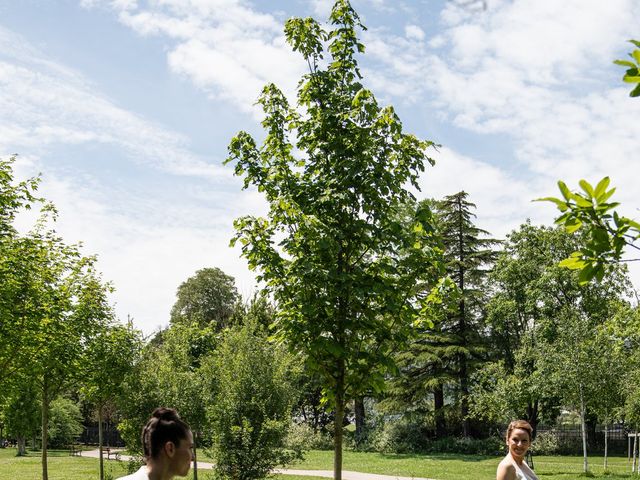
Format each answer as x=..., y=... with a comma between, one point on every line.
x=401, y=436
x=405, y=436
x=546, y=443
x=65, y=422
x=251, y=409
x=302, y=437
x=491, y=446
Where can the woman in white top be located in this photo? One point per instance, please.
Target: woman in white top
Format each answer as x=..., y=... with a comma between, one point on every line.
x=513, y=466
x=168, y=447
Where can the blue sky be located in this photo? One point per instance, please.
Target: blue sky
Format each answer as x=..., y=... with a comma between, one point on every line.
x=126, y=108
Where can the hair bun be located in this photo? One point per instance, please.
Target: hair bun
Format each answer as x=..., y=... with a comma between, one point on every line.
x=167, y=414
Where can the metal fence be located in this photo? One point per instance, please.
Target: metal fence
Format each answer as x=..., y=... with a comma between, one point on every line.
x=111, y=436
x=569, y=438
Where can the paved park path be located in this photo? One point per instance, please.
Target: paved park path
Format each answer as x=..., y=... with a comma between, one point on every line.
x=346, y=474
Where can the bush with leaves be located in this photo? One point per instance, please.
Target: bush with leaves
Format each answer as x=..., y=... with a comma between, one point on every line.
x=301, y=436
x=250, y=412
x=65, y=422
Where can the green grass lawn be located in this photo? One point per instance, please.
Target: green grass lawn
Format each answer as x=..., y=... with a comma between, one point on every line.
x=441, y=467
x=460, y=467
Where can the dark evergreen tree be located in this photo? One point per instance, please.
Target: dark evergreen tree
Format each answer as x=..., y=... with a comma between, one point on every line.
x=442, y=357
x=469, y=255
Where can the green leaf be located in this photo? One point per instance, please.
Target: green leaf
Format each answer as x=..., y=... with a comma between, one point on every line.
x=574, y=262
x=601, y=188
x=606, y=196
x=625, y=63
x=635, y=42
x=581, y=201
x=586, y=187
x=586, y=274
x=599, y=272
x=564, y=189
x=631, y=78
x=633, y=224
x=635, y=92
x=562, y=206
x=636, y=56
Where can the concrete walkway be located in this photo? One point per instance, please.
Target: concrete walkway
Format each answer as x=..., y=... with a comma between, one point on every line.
x=346, y=474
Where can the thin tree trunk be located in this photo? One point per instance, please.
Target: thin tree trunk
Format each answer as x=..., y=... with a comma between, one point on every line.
x=358, y=407
x=438, y=407
x=606, y=444
x=338, y=423
x=584, y=431
x=22, y=446
x=195, y=456
x=100, y=442
x=464, y=401
x=45, y=426
x=532, y=416
x=635, y=441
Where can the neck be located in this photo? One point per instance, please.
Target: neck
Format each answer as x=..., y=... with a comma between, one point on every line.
x=157, y=470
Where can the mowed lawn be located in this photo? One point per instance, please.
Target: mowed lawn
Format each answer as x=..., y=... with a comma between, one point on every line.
x=461, y=467
x=441, y=467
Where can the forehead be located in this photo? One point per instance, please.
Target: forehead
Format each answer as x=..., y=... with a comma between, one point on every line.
x=519, y=433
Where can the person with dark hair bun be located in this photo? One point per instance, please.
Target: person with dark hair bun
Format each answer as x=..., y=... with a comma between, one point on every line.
x=167, y=443
x=513, y=467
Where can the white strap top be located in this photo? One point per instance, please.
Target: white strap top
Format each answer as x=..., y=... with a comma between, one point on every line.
x=524, y=472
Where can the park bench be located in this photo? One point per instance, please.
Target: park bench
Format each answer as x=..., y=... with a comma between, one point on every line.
x=75, y=450
x=109, y=452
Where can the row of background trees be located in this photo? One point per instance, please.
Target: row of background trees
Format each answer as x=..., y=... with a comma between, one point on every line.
x=406, y=310
x=512, y=335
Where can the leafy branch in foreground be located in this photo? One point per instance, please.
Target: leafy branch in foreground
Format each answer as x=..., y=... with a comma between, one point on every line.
x=606, y=232
x=632, y=74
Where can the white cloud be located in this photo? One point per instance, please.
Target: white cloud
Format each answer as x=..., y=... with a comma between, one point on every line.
x=503, y=200
x=224, y=47
x=321, y=8
x=538, y=72
x=414, y=32
x=43, y=104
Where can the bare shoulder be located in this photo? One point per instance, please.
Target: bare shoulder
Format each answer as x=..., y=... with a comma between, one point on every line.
x=506, y=470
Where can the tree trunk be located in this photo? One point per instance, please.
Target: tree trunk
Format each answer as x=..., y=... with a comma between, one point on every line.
x=100, y=442
x=635, y=442
x=45, y=426
x=532, y=417
x=464, y=400
x=584, y=431
x=22, y=446
x=338, y=423
x=438, y=407
x=358, y=407
x=195, y=456
x=606, y=445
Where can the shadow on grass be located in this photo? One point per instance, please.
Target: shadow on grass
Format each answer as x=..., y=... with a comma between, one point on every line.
x=572, y=475
x=438, y=456
x=38, y=453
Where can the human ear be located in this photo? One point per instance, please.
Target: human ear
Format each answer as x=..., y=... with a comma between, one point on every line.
x=170, y=449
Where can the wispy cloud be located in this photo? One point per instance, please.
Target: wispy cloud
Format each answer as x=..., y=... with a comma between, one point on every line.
x=539, y=72
x=225, y=47
x=44, y=104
